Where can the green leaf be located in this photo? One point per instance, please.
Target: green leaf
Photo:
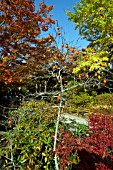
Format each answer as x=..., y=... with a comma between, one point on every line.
x=23, y=161
x=71, y=158
x=22, y=167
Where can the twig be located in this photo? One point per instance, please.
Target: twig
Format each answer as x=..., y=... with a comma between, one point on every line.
x=2, y=23
x=8, y=108
x=5, y=157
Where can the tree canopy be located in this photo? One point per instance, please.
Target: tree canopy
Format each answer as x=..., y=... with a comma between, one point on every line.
x=94, y=19
x=20, y=45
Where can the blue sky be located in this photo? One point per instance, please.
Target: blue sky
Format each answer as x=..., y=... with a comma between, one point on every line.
x=71, y=35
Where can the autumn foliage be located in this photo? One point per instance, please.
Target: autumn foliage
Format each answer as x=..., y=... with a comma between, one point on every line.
x=29, y=59
x=21, y=48
x=90, y=152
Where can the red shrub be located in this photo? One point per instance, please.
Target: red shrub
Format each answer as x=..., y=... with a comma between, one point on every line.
x=95, y=151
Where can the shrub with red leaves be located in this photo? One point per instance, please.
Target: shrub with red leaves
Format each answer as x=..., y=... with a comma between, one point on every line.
x=94, y=151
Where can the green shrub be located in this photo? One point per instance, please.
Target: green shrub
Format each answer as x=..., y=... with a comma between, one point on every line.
x=78, y=104
x=103, y=104
x=29, y=143
x=77, y=129
x=84, y=104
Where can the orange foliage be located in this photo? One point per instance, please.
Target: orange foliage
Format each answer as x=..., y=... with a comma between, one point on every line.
x=20, y=47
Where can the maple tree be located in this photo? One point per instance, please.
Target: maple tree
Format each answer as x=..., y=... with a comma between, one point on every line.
x=21, y=48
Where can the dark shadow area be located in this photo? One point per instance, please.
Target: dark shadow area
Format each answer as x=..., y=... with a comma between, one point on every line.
x=89, y=161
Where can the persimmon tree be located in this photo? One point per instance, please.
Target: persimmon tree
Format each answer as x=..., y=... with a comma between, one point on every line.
x=58, y=61
x=21, y=47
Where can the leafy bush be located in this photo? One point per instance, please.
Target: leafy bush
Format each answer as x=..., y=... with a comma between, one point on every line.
x=77, y=129
x=29, y=143
x=82, y=99
x=90, y=152
x=66, y=151
x=78, y=103
x=84, y=104
x=103, y=104
x=104, y=99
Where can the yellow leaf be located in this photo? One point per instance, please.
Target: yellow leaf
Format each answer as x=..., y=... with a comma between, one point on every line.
x=43, y=154
x=45, y=159
x=95, y=60
x=75, y=161
x=15, y=145
x=31, y=161
x=23, y=157
x=99, y=77
x=105, y=59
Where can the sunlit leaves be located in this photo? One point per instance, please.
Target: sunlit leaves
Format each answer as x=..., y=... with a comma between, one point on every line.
x=20, y=27
x=94, y=21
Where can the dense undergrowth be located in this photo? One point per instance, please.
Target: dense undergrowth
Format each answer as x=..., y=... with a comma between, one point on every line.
x=29, y=142
x=83, y=104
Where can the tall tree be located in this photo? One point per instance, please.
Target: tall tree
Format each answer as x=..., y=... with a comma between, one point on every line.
x=21, y=48
x=94, y=19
